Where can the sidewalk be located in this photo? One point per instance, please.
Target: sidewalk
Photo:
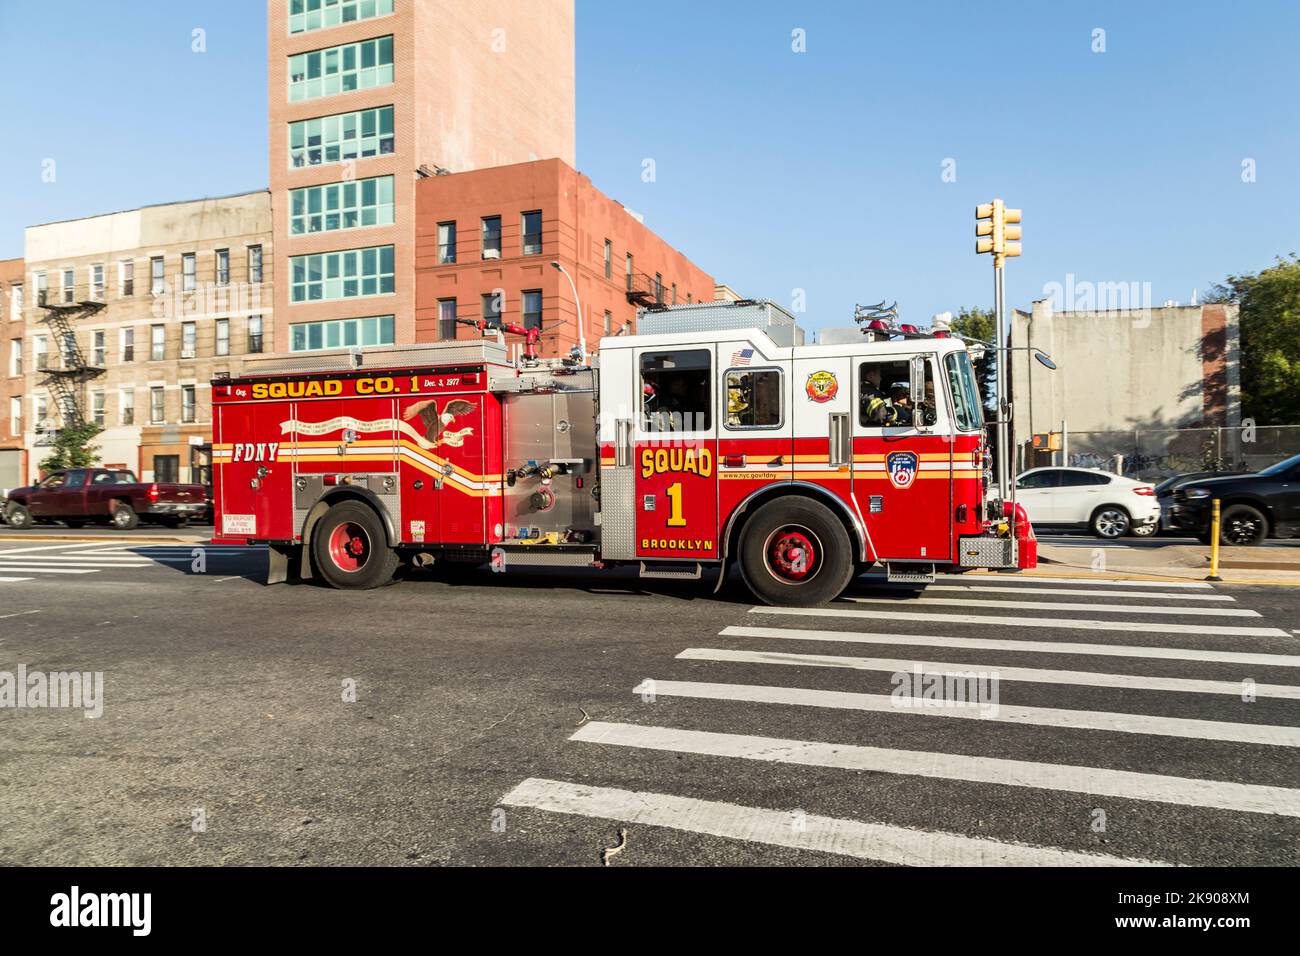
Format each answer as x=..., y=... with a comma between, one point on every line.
x=1183, y=562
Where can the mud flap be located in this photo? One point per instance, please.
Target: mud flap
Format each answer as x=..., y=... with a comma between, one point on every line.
x=284, y=564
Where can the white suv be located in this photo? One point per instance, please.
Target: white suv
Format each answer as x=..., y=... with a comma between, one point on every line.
x=1111, y=505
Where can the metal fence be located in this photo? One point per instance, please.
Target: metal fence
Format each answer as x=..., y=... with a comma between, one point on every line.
x=1152, y=454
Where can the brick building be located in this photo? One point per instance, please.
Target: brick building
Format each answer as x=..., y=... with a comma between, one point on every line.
x=12, y=458
x=368, y=96
x=128, y=316
x=485, y=241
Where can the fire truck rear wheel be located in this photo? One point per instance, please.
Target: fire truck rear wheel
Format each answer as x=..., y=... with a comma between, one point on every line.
x=795, y=553
x=350, y=549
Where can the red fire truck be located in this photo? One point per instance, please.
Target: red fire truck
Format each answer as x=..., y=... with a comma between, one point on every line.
x=673, y=451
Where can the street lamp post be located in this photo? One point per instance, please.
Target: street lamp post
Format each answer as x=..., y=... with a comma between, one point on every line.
x=582, y=325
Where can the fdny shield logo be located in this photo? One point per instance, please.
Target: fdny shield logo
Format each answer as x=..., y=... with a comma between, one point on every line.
x=822, y=387
x=901, y=466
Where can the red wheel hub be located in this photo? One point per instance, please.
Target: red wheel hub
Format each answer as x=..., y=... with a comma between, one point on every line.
x=349, y=546
x=791, y=555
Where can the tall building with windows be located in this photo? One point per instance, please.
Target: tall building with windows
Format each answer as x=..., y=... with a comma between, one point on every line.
x=367, y=97
x=12, y=459
x=126, y=317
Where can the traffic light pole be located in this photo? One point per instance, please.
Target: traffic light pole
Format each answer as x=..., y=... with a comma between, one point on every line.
x=1004, y=406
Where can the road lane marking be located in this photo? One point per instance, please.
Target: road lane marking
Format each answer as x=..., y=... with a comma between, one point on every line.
x=13, y=581
x=107, y=558
x=28, y=570
x=865, y=841
x=1061, y=606
x=974, y=580
x=1025, y=674
x=1034, y=647
x=44, y=547
x=1079, y=592
x=1054, y=623
x=27, y=565
x=1094, y=781
x=1192, y=729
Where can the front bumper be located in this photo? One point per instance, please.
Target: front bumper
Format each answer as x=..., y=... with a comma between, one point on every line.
x=176, y=509
x=1189, y=516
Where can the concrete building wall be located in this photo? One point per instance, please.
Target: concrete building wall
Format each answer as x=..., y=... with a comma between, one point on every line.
x=474, y=85
x=236, y=224
x=12, y=459
x=1161, y=368
x=577, y=220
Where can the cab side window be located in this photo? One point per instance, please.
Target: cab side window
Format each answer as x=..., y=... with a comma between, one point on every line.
x=754, y=398
x=75, y=479
x=677, y=391
x=885, y=395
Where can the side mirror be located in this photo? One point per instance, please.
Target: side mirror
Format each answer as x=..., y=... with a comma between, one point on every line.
x=918, y=381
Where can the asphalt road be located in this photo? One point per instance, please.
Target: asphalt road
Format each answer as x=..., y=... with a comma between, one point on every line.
x=497, y=720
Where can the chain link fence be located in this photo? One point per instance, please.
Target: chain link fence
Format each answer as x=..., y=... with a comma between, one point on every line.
x=1150, y=454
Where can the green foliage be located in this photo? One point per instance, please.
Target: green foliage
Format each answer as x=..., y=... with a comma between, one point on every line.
x=73, y=448
x=1270, y=339
x=975, y=324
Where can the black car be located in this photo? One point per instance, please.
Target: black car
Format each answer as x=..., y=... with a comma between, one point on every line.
x=1254, y=507
x=1165, y=493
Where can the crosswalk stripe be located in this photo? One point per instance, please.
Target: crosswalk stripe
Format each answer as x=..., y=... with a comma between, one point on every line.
x=1094, y=781
x=1079, y=592
x=1061, y=606
x=28, y=570
x=1034, y=647
x=867, y=841
x=44, y=547
x=13, y=581
x=1048, y=622
x=55, y=558
x=1031, y=579
x=1265, y=734
x=1024, y=674
x=26, y=565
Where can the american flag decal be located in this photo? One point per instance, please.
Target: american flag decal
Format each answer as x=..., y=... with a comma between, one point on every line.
x=743, y=357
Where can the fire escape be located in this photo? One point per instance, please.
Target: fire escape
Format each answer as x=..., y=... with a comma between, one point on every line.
x=67, y=378
x=646, y=291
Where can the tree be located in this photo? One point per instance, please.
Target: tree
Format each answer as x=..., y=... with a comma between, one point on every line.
x=1269, y=319
x=73, y=448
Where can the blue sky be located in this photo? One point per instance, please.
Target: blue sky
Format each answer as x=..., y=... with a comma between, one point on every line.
x=775, y=170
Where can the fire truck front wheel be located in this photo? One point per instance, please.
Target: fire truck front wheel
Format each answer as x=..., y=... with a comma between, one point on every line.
x=350, y=548
x=794, y=552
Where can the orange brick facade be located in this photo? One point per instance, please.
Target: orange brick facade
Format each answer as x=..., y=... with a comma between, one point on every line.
x=576, y=222
x=11, y=384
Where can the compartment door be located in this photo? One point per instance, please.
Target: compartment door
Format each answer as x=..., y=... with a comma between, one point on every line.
x=254, y=471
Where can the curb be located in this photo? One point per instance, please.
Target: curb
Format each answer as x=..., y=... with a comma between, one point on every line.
x=1067, y=571
x=86, y=539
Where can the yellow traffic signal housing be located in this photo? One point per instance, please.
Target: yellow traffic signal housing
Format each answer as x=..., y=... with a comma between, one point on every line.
x=995, y=231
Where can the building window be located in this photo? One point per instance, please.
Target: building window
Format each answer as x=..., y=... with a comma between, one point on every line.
x=342, y=334
x=16, y=358
x=348, y=274
x=41, y=288
x=97, y=407
x=609, y=259
x=223, y=337
x=126, y=406
x=157, y=405
x=188, y=407
x=40, y=412
x=167, y=468
x=157, y=275
x=223, y=267
x=255, y=265
x=98, y=351
x=446, y=319
x=446, y=243
x=254, y=334
x=609, y=322
x=532, y=233
x=674, y=293
x=68, y=291
x=157, y=343
x=659, y=288
x=189, y=272
x=533, y=309
x=339, y=206
x=189, y=339
x=128, y=345
x=630, y=269
x=126, y=278
x=17, y=302
x=308, y=15
x=97, y=283
x=40, y=352
x=336, y=139
x=492, y=303
x=16, y=415
x=341, y=69
x=491, y=237
x=70, y=351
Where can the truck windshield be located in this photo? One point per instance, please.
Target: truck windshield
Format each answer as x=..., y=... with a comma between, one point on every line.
x=965, y=396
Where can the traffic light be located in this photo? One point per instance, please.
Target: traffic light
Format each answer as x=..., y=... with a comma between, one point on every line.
x=997, y=229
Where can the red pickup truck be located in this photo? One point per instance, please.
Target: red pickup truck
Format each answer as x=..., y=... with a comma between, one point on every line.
x=78, y=496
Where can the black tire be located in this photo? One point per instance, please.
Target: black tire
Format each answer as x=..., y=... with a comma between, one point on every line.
x=1110, y=522
x=350, y=548
x=18, y=516
x=1242, y=526
x=775, y=547
x=124, y=517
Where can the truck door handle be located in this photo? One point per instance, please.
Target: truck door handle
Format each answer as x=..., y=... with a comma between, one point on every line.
x=840, y=442
x=623, y=443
